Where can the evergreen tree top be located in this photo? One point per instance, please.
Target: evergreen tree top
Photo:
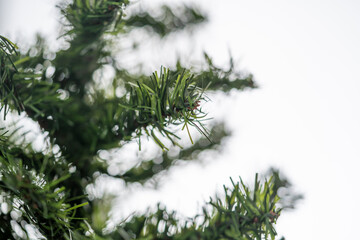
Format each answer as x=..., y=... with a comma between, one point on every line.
x=45, y=192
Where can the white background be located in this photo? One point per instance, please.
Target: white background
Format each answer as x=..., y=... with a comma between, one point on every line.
x=304, y=118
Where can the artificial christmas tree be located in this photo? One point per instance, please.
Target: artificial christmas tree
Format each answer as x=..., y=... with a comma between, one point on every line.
x=43, y=194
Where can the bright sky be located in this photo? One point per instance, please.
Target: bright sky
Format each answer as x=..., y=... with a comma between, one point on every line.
x=304, y=118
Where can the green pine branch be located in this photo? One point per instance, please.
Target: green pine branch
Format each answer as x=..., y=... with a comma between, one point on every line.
x=165, y=20
x=32, y=185
x=241, y=213
x=148, y=169
x=8, y=92
x=216, y=78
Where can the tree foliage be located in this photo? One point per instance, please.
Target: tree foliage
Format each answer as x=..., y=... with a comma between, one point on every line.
x=43, y=194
